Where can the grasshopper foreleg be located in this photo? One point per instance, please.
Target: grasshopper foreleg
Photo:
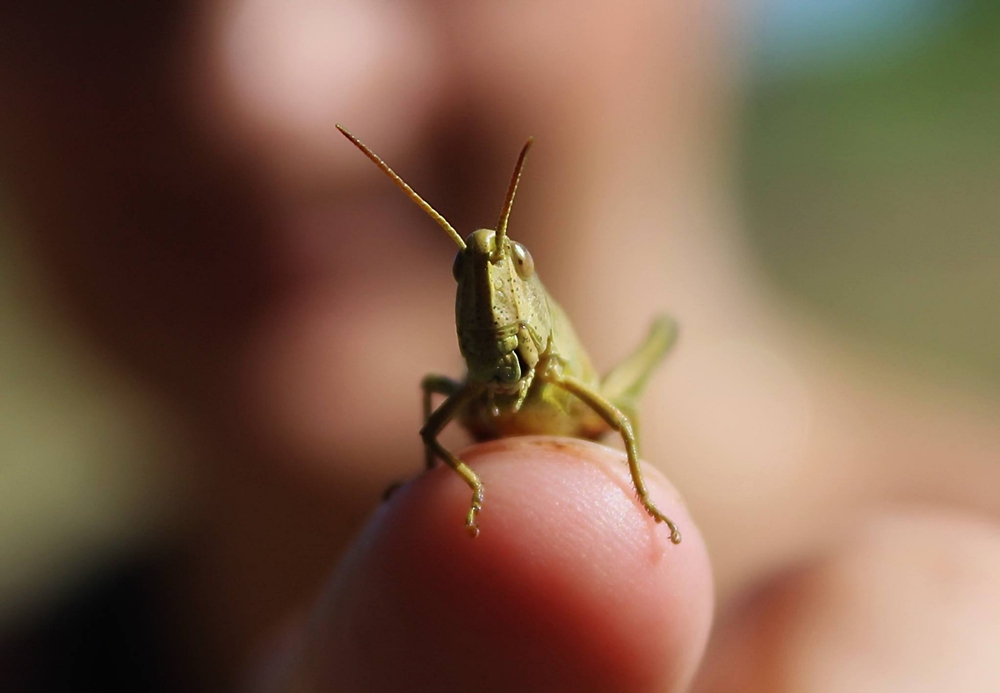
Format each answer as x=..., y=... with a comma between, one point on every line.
x=433, y=426
x=620, y=423
x=435, y=385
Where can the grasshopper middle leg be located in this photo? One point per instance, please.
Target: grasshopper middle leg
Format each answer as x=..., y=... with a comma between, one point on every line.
x=619, y=422
x=433, y=426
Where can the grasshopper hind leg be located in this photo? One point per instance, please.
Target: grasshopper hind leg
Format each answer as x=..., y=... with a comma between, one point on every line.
x=626, y=382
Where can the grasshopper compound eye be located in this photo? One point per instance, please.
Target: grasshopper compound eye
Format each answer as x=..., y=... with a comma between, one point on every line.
x=456, y=267
x=522, y=260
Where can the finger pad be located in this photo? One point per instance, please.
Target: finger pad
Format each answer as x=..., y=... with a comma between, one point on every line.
x=570, y=585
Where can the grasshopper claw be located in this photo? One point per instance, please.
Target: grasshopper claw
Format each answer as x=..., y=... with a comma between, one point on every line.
x=391, y=490
x=654, y=512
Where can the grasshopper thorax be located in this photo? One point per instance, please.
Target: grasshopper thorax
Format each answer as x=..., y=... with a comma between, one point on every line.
x=501, y=311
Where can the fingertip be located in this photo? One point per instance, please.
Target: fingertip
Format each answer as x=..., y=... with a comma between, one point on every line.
x=570, y=584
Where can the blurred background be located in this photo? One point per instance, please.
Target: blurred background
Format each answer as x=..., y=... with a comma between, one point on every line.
x=870, y=158
x=868, y=162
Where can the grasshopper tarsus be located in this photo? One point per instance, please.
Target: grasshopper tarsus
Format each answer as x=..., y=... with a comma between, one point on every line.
x=477, y=505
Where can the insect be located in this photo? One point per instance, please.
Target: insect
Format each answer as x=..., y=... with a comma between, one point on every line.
x=527, y=371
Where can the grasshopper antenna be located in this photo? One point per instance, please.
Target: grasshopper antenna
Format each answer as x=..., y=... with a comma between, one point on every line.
x=431, y=212
x=509, y=201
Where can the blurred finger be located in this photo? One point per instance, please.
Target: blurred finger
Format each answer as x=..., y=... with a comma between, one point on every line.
x=910, y=603
x=570, y=585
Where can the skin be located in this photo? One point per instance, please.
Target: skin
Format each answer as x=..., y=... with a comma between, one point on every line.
x=182, y=185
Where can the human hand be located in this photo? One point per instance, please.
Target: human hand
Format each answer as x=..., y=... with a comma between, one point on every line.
x=571, y=587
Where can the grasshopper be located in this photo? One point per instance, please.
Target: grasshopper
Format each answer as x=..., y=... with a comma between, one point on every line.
x=527, y=371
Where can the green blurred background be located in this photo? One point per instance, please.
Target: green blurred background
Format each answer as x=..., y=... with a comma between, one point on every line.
x=870, y=174
x=869, y=170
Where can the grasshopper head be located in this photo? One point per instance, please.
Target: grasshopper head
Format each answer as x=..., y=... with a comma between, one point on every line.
x=502, y=313
x=501, y=310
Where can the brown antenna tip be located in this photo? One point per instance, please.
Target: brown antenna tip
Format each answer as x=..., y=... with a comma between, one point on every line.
x=509, y=200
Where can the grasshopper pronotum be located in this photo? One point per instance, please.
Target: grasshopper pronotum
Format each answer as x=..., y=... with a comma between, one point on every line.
x=527, y=371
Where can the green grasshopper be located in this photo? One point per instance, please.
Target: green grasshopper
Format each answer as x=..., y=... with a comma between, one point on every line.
x=527, y=371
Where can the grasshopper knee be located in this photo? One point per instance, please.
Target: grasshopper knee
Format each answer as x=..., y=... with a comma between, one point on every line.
x=620, y=423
